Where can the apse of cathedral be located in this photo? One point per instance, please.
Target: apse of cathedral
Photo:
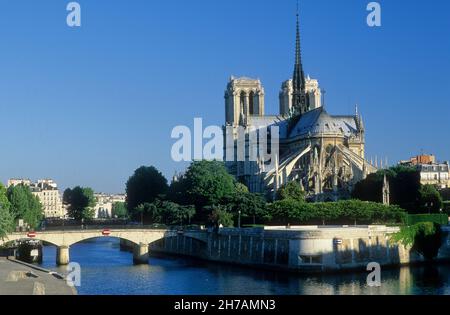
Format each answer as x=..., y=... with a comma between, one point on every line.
x=324, y=153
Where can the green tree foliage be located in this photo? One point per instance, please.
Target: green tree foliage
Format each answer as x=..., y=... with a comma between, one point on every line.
x=24, y=205
x=171, y=213
x=80, y=202
x=253, y=207
x=404, y=187
x=207, y=183
x=424, y=237
x=6, y=219
x=430, y=199
x=240, y=188
x=446, y=207
x=166, y=212
x=289, y=211
x=445, y=194
x=18, y=197
x=370, y=189
x=220, y=215
x=440, y=218
x=119, y=210
x=144, y=186
x=144, y=212
x=291, y=190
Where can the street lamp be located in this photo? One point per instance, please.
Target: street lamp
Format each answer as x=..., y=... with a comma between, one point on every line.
x=239, y=219
x=429, y=205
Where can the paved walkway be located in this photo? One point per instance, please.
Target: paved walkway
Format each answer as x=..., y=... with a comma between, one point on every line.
x=22, y=279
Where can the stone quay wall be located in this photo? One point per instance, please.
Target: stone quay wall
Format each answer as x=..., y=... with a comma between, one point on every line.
x=301, y=249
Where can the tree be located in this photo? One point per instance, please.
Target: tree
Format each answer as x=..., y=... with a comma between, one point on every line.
x=430, y=199
x=174, y=214
x=221, y=216
x=370, y=189
x=143, y=210
x=6, y=219
x=81, y=202
x=241, y=189
x=119, y=210
x=406, y=189
x=35, y=213
x=290, y=211
x=428, y=239
x=144, y=186
x=445, y=194
x=404, y=185
x=165, y=212
x=424, y=237
x=251, y=206
x=67, y=194
x=206, y=183
x=17, y=196
x=24, y=205
x=291, y=190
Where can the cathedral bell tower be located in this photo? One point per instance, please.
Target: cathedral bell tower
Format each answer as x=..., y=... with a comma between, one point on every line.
x=244, y=97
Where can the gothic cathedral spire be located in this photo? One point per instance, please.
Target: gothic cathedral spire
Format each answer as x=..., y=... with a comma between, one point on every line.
x=299, y=100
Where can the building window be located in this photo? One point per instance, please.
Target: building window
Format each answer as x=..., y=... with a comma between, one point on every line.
x=313, y=259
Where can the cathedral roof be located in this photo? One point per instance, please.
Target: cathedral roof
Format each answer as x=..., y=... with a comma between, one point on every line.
x=318, y=122
x=268, y=121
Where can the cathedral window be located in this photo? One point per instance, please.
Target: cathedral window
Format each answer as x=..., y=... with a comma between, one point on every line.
x=242, y=101
x=251, y=102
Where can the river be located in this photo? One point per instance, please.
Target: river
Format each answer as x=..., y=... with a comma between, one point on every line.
x=106, y=270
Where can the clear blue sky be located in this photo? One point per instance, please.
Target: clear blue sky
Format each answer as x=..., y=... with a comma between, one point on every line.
x=87, y=106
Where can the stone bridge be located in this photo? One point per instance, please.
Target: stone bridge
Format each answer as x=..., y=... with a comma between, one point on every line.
x=141, y=238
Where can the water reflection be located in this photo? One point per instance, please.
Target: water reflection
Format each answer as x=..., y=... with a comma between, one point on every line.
x=107, y=270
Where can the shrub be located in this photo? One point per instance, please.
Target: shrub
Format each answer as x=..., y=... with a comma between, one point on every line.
x=221, y=216
x=349, y=211
x=446, y=207
x=424, y=237
x=291, y=190
x=441, y=219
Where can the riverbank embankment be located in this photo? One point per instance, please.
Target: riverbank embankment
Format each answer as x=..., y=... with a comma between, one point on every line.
x=303, y=249
x=18, y=278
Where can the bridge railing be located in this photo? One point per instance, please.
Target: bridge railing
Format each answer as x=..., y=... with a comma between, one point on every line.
x=85, y=227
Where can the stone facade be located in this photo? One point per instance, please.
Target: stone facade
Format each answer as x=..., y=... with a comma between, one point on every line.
x=437, y=174
x=302, y=249
x=47, y=192
x=104, y=205
x=431, y=171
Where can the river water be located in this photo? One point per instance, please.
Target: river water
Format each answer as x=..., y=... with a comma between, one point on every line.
x=107, y=270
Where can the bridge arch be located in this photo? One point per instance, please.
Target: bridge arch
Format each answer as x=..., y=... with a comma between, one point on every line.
x=19, y=237
x=140, y=238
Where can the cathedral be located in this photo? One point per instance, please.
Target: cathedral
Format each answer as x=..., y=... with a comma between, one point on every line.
x=324, y=153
